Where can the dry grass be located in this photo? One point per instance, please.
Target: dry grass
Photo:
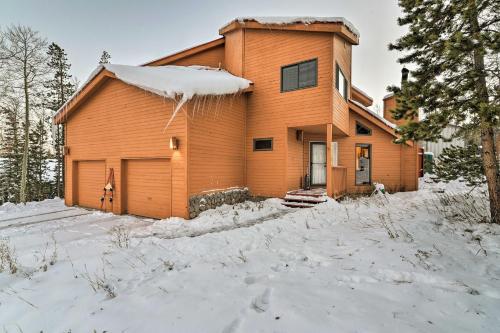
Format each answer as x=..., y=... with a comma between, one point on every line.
x=120, y=236
x=8, y=257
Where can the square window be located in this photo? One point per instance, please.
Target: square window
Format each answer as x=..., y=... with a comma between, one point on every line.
x=298, y=76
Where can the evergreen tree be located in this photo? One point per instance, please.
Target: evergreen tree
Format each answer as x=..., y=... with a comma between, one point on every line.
x=11, y=147
x=59, y=88
x=454, y=47
x=461, y=162
x=39, y=187
x=105, y=57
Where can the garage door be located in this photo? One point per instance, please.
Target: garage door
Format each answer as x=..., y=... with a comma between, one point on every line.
x=91, y=179
x=148, y=187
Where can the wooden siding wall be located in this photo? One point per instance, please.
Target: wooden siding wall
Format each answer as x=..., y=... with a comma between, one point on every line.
x=213, y=57
x=124, y=122
x=234, y=42
x=386, y=156
x=342, y=57
x=217, y=144
x=409, y=168
x=295, y=165
x=271, y=112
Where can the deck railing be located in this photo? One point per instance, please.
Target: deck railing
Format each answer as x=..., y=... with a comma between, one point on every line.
x=339, y=179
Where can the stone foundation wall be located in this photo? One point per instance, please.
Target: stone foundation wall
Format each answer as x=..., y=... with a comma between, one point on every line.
x=201, y=202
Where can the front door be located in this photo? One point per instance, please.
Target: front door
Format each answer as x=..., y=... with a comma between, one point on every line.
x=318, y=163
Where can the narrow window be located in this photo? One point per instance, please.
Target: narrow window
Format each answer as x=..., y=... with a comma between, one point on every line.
x=363, y=164
x=299, y=76
x=362, y=129
x=262, y=144
x=341, y=82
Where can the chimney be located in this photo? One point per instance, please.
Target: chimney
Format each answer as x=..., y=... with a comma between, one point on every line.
x=404, y=75
x=390, y=101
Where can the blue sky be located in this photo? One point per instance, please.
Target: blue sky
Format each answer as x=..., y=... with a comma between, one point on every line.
x=134, y=32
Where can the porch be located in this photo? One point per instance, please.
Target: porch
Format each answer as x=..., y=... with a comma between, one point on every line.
x=313, y=169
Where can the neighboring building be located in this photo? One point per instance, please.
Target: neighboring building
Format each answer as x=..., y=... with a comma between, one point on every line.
x=281, y=112
x=436, y=147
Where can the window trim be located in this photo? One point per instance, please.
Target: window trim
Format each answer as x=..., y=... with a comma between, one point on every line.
x=346, y=82
x=298, y=78
x=362, y=125
x=263, y=139
x=369, y=145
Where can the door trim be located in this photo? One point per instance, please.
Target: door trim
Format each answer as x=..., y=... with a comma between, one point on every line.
x=311, y=143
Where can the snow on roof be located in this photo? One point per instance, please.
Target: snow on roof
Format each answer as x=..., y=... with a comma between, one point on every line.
x=173, y=81
x=388, y=95
x=382, y=119
x=285, y=20
x=362, y=92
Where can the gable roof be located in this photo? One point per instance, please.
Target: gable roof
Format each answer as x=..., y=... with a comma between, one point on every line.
x=375, y=119
x=338, y=25
x=167, y=81
x=186, y=52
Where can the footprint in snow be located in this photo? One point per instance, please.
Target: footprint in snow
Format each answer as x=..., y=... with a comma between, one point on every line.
x=233, y=326
x=262, y=302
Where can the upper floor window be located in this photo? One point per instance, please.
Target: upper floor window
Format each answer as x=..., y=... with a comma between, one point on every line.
x=298, y=76
x=341, y=82
x=362, y=129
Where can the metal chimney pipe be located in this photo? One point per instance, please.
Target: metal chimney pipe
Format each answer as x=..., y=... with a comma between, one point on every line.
x=404, y=74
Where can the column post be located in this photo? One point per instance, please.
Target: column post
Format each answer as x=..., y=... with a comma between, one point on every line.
x=329, y=174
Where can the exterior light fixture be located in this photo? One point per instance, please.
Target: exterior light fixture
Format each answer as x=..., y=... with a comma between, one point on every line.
x=174, y=143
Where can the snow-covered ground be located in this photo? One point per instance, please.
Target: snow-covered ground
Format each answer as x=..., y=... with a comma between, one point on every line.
x=407, y=262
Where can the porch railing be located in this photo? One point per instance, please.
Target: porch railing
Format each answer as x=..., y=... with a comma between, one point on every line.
x=339, y=179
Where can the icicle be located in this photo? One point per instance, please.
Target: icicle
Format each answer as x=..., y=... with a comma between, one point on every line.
x=177, y=108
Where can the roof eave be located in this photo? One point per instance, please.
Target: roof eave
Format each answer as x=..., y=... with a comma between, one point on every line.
x=374, y=120
x=81, y=95
x=332, y=27
x=186, y=53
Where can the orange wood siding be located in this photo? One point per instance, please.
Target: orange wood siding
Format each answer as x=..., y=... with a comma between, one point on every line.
x=409, y=168
x=123, y=122
x=385, y=158
x=213, y=57
x=295, y=165
x=341, y=57
x=234, y=52
x=271, y=112
x=216, y=143
x=153, y=175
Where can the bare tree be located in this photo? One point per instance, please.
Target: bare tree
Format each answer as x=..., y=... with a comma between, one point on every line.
x=24, y=58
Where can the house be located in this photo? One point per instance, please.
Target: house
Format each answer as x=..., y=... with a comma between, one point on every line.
x=266, y=109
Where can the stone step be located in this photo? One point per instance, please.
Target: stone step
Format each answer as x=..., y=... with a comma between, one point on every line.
x=298, y=205
x=302, y=198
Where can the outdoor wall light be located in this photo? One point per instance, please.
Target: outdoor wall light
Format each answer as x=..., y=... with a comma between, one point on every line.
x=174, y=143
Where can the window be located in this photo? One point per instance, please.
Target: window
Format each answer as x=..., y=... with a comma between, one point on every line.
x=363, y=164
x=362, y=129
x=341, y=82
x=262, y=144
x=299, y=76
